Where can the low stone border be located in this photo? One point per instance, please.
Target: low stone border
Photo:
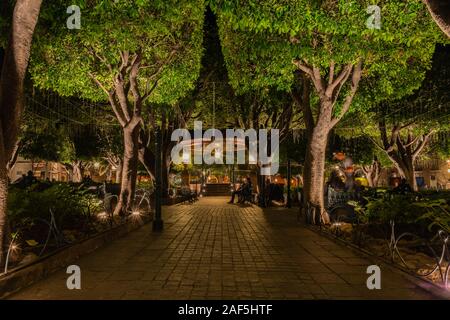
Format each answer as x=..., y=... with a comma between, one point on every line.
x=424, y=284
x=23, y=276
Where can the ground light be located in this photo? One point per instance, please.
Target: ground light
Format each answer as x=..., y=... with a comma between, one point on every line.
x=13, y=247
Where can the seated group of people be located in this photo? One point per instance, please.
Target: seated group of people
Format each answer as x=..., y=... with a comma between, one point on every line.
x=244, y=191
x=271, y=192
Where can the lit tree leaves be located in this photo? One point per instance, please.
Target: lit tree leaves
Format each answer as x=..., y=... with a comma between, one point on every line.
x=260, y=39
x=63, y=59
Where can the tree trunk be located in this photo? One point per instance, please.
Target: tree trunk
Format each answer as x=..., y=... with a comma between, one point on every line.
x=403, y=152
x=147, y=158
x=14, y=66
x=328, y=90
x=314, y=173
x=129, y=170
x=406, y=169
x=4, y=230
x=440, y=12
x=12, y=161
x=372, y=172
x=77, y=171
x=119, y=171
x=411, y=177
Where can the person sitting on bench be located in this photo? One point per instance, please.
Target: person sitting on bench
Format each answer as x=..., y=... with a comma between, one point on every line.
x=243, y=190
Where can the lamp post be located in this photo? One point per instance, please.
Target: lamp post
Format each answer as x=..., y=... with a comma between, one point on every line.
x=157, y=221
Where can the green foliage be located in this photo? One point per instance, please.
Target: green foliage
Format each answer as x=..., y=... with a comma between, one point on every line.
x=399, y=208
x=42, y=140
x=261, y=38
x=442, y=146
x=437, y=214
x=62, y=59
x=28, y=208
x=430, y=212
x=148, y=186
x=360, y=148
x=426, y=109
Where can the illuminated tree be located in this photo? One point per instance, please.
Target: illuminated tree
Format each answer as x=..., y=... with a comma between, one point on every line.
x=131, y=53
x=17, y=21
x=322, y=52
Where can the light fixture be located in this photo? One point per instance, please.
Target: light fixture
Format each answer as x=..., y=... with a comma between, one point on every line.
x=102, y=216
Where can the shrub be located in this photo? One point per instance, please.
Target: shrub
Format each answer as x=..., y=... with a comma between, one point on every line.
x=28, y=208
x=405, y=209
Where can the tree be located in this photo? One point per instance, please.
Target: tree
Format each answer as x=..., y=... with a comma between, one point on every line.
x=79, y=150
x=112, y=149
x=323, y=52
x=405, y=127
x=364, y=155
x=195, y=105
x=154, y=57
x=43, y=139
x=440, y=11
x=22, y=21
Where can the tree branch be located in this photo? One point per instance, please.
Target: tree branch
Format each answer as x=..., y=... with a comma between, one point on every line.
x=423, y=143
x=110, y=94
x=356, y=78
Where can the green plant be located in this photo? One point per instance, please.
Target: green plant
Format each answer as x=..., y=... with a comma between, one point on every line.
x=423, y=212
x=72, y=207
x=146, y=185
x=438, y=214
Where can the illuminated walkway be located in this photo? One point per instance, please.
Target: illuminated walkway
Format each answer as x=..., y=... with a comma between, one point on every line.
x=216, y=250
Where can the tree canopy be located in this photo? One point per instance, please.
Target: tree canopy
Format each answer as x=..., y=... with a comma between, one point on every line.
x=168, y=34
x=261, y=39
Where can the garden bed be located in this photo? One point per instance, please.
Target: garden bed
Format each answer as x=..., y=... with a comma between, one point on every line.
x=30, y=272
x=409, y=230
x=45, y=217
x=423, y=282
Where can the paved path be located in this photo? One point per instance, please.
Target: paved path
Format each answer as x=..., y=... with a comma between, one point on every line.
x=216, y=250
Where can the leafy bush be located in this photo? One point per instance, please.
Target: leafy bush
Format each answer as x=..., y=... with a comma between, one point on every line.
x=147, y=185
x=72, y=208
x=405, y=209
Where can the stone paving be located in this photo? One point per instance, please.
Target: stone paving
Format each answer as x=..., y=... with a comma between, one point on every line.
x=215, y=250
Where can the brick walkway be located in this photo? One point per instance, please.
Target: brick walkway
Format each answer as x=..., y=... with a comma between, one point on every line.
x=216, y=250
